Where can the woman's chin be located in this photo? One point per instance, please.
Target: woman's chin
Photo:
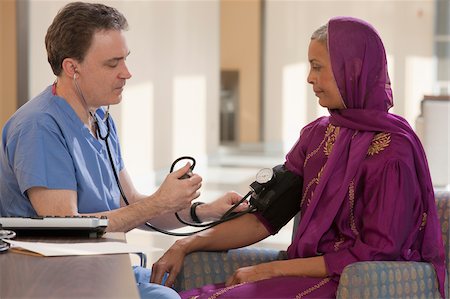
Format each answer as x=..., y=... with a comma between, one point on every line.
x=324, y=105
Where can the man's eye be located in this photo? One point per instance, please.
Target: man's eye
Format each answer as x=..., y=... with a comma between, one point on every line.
x=112, y=63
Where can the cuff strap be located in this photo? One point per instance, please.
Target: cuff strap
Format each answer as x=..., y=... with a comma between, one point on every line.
x=193, y=213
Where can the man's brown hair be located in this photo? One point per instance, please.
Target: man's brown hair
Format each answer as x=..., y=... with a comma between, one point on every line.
x=70, y=34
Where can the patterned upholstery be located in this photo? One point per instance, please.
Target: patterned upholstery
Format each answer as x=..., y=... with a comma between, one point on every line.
x=201, y=268
x=358, y=280
x=388, y=280
x=443, y=204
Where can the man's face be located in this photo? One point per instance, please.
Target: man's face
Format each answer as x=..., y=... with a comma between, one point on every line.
x=103, y=73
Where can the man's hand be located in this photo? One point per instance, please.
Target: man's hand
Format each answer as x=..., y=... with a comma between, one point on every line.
x=170, y=263
x=214, y=210
x=175, y=194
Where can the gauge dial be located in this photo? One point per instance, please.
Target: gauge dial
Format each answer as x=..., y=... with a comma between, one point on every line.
x=264, y=175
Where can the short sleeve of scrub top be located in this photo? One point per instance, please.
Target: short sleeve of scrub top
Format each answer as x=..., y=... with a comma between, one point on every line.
x=48, y=146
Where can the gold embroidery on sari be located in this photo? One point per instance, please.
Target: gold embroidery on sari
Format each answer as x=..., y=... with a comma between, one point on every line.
x=313, y=288
x=379, y=142
x=424, y=221
x=224, y=290
x=330, y=129
x=319, y=174
x=351, y=198
x=339, y=242
x=314, y=180
x=331, y=139
x=307, y=190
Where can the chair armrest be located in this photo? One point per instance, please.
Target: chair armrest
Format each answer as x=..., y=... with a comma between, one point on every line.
x=388, y=280
x=142, y=258
x=202, y=268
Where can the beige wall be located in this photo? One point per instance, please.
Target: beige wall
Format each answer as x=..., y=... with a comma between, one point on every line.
x=406, y=28
x=8, y=61
x=240, y=46
x=170, y=105
x=176, y=45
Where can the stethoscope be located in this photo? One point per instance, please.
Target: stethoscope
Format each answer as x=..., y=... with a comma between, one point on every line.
x=5, y=234
x=227, y=215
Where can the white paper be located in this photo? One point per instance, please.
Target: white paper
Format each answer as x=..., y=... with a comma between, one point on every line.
x=65, y=249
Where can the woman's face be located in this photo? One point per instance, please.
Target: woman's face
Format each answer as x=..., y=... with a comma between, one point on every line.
x=321, y=76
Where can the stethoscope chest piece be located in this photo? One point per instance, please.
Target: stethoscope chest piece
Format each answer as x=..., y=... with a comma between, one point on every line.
x=5, y=234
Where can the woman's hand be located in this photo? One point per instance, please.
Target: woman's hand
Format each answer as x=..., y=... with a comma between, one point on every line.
x=170, y=263
x=253, y=273
x=215, y=210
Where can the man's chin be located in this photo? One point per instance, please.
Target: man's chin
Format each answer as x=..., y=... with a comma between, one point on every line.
x=116, y=100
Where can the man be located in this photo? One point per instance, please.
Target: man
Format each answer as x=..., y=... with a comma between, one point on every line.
x=59, y=158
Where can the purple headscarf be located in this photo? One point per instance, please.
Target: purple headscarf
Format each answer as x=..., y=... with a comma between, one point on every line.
x=359, y=66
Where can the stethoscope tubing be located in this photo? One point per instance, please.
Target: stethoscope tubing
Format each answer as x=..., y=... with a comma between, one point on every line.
x=226, y=217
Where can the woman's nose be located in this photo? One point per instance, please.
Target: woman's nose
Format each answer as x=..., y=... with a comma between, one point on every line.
x=309, y=79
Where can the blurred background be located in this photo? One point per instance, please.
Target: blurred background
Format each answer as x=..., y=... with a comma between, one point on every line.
x=224, y=81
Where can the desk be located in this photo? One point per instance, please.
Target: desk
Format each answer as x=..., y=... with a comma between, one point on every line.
x=97, y=276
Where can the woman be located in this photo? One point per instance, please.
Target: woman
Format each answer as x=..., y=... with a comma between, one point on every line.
x=367, y=193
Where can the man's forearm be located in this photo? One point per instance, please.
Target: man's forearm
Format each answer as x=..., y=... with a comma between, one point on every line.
x=129, y=217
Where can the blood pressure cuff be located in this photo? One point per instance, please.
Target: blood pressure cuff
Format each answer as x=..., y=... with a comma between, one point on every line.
x=286, y=202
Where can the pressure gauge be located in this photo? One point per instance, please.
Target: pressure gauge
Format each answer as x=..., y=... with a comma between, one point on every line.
x=264, y=176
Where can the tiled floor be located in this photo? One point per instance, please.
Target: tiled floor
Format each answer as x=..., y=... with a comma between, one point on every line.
x=229, y=171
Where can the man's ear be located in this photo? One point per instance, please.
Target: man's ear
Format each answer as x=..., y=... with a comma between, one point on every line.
x=69, y=67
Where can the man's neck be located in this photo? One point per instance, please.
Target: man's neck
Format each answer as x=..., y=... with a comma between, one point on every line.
x=66, y=90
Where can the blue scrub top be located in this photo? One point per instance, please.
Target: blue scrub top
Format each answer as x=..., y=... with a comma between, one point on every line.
x=46, y=144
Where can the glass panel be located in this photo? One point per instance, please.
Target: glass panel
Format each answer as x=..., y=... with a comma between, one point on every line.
x=442, y=17
x=442, y=49
x=229, y=99
x=443, y=69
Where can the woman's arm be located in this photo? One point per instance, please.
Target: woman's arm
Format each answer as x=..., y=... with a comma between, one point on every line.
x=239, y=232
x=305, y=267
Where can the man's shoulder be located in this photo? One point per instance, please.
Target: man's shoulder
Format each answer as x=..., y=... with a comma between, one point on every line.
x=36, y=113
x=35, y=107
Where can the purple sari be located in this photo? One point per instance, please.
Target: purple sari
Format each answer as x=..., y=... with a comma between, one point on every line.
x=367, y=191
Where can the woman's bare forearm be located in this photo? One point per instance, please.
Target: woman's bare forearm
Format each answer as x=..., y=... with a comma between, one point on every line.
x=239, y=232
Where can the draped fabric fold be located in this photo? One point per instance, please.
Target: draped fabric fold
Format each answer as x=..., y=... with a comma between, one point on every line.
x=360, y=69
x=367, y=192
